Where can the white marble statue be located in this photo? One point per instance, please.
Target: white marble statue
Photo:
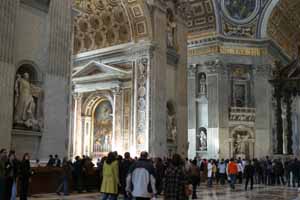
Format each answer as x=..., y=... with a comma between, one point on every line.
x=171, y=31
x=241, y=144
x=238, y=145
x=25, y=106
x=171, y=126
x=203, y=140
x=202, y=83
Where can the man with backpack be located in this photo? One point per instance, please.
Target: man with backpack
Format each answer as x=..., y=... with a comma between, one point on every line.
x=140, y=182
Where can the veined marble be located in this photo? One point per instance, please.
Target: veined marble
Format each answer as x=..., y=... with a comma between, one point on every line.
x=216, y=193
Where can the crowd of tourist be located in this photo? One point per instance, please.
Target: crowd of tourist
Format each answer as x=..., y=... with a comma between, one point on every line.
x=145, y=178
x=12, y=169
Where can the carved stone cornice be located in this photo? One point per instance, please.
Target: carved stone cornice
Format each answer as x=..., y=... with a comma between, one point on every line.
x=77, y=96
x=116, y=91
x=263, y=70
x=216, y=67
x=192, y=70
x=142, y=50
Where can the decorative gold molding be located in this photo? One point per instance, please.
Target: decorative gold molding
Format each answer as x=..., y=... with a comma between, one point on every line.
x=198, y=36
x=242, y=51
x=203, y=51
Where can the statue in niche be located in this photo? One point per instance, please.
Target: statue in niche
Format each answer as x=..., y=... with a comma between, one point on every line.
x=201, y=142
x=25, y=114
x=171, y=122
x=171, y=30
x=241, y=144
x=202, y=84
x=238, y=145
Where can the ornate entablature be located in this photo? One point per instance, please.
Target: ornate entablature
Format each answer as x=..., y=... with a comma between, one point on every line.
x=222, y=49
x=105, y=23
x=238, y=114
x=240, y=18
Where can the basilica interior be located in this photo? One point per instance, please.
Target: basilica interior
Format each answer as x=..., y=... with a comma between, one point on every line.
x=207, y=78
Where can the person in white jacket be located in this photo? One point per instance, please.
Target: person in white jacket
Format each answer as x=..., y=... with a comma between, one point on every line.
x=140, y=182
x=209, y=173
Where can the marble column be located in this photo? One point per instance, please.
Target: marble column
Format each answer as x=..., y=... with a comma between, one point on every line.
x=224, y=104
x=214, y=94
x=8, y=10
x=289, y=130
x=157, y=80
x=181, y=88
x=263, y=136
x=117, y=124
x=126, y=125
x=57, y=80
x=279, y=121
x=77, y=139
x=192, y=110
x=87, y=135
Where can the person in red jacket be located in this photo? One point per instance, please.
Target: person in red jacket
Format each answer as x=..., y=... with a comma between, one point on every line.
x=232, y=170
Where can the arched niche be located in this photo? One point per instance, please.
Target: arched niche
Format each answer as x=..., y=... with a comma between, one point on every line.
x=28, y=98
x=97, y=124
x=242, y=142
x=102, y=127
x=36, y=75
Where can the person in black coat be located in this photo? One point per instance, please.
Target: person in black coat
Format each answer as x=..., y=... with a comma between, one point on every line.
x=295, y=171
x=124, y=169
x=57, y=161
x=249, y=173
x=11, y=172
x=77, y=174
x=3, y=159
x=51, y=161
x=24, y=176
x=279, y=172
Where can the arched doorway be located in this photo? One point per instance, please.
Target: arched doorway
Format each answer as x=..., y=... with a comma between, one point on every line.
x=102, y=128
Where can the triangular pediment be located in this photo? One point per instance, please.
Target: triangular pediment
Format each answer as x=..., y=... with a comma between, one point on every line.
x=94, y=68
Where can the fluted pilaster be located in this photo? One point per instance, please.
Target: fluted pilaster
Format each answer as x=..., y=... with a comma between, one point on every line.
x=60, y=38
x=8, y=10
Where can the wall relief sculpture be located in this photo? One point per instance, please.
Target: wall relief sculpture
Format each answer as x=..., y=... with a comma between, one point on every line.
x=141, y=123
x=201, y=139
x=171, y=122
x=27, y=105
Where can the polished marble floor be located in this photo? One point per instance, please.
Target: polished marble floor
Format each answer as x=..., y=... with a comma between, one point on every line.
x=215, y=193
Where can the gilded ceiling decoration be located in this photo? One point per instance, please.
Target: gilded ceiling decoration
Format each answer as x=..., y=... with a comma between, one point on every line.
x=201, y=16
x=104, y=23
x=284, y=26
